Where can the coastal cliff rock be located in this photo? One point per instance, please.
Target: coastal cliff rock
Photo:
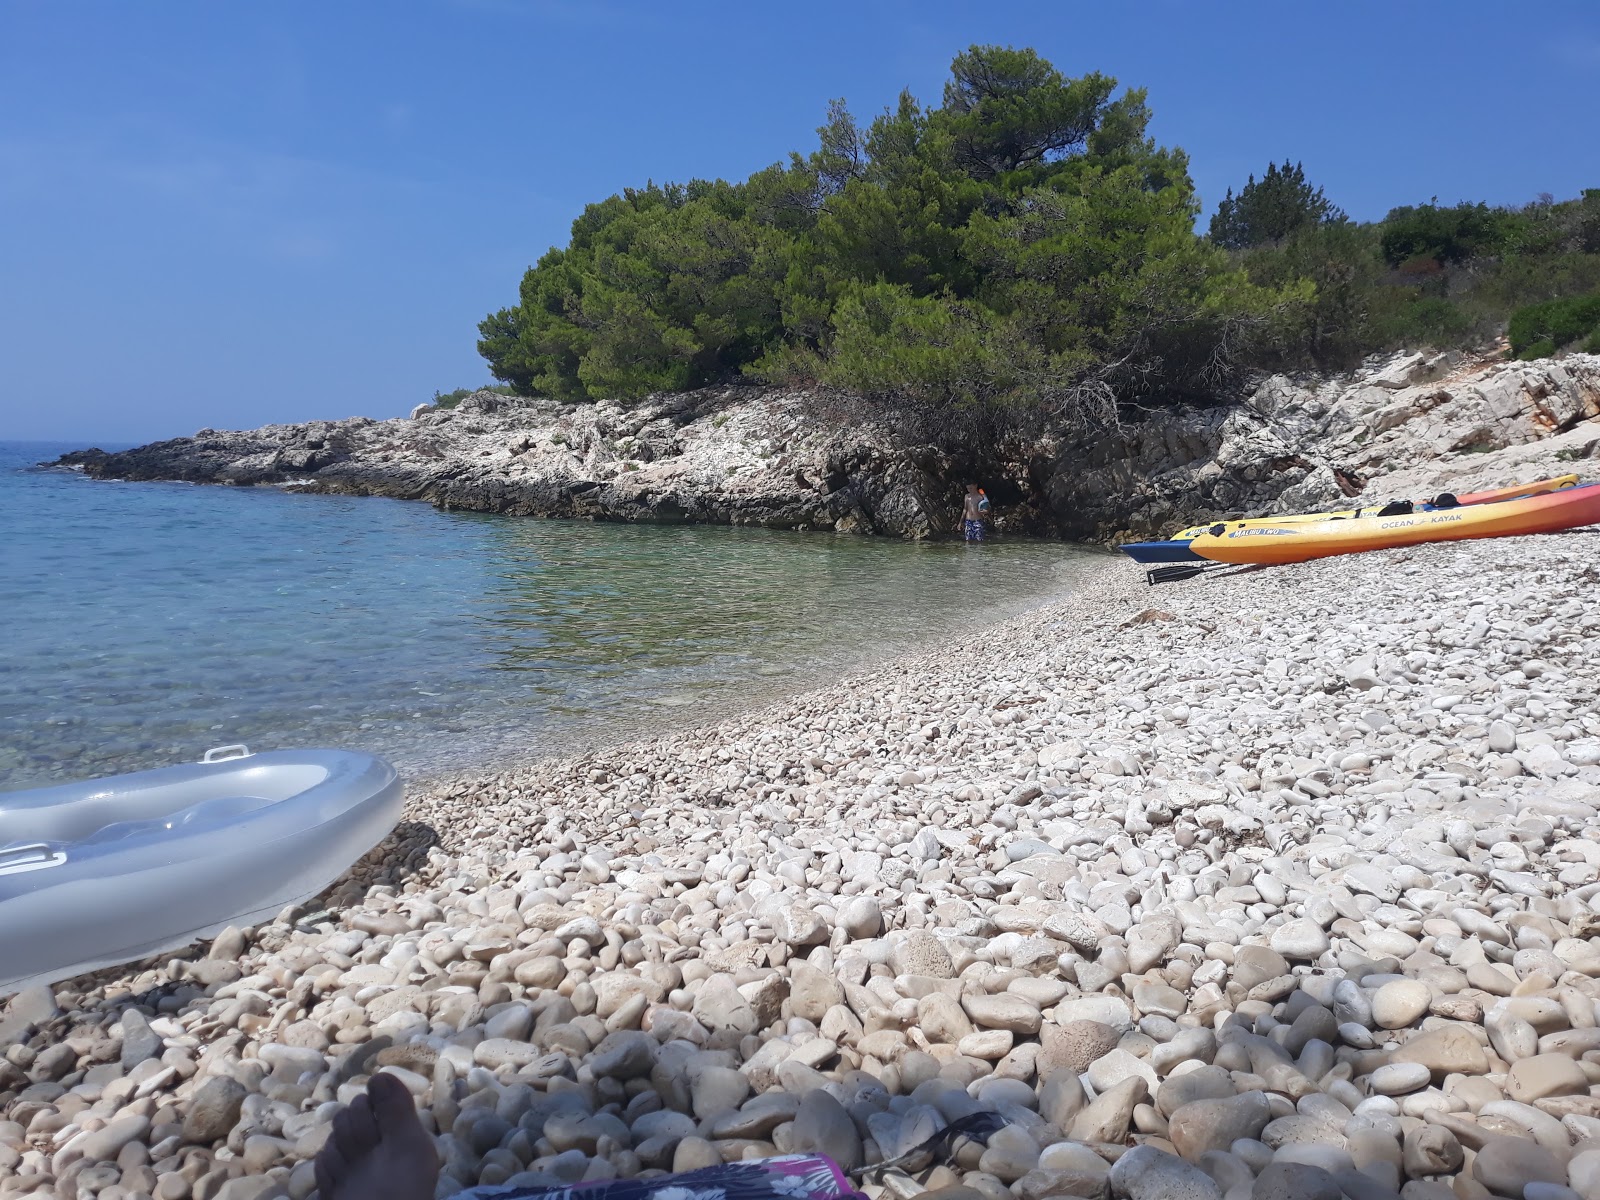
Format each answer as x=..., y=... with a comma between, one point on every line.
x=1410, y=426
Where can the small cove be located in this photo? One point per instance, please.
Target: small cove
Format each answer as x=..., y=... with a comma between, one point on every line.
x=142, y=623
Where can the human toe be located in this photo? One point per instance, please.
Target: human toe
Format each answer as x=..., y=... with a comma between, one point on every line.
x=392, y=1109
x=355, y=1131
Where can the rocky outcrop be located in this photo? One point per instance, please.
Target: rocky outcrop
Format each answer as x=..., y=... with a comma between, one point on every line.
x=1410, y=426
x=740, y=456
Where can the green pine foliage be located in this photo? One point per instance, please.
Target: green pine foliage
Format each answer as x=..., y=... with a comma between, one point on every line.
x=1281, y=205
x=1024, y=247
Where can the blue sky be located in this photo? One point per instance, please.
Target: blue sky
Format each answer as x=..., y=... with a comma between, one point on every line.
x=227, y=214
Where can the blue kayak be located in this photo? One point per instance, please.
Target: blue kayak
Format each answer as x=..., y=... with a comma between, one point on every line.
x=1160, y=552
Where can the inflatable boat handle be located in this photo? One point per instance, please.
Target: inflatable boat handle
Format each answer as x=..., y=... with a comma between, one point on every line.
x=36, y=856
x=224, y=753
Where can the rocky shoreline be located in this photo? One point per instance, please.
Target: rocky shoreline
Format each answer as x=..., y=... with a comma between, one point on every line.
x=1406, y=427
x=1270, y=884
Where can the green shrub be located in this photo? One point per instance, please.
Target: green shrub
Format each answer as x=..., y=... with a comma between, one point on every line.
x=1514, y=281
x=1448, y=235
x=1553, y=324
x=451, y=399
x=1591, y=344
x=1427, y=321
x=1588, y=221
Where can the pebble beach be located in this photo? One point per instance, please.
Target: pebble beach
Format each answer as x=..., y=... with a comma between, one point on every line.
x=1268, y=884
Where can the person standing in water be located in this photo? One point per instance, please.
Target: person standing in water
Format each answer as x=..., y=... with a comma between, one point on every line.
x=974, y=510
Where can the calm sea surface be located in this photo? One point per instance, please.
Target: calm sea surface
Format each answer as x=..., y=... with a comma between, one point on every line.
x=141, y=623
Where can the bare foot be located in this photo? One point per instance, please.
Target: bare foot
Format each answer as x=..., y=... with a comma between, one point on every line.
x=378, y=1149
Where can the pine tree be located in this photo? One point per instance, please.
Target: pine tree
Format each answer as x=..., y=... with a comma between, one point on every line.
x=1270, y=211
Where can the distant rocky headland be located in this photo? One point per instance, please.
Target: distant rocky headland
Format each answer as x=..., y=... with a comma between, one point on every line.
x=781, y=458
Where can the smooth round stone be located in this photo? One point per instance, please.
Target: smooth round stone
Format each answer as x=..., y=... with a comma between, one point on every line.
x=1042, y=992
x=1295, y=1181
x=1390, y=941
x=861, y=917
x=1532, y=1079
x=717, y=1090
x=1511, y=1036
x=1007, y=1091
x=1549, y=1191
x=1229, y=1172
x=1146, y=1173
x=1010, y=1154
x=1583, y=1172
x=1218, y=1124
x=1254, y=1153
x=694, y=1153
x=1025, y=848
x=1358, y=1037
x=1506, y=1165
x=1351, y=1004
x=1331, y=1159
x=1159, y=999
x=1373, y=1106
x=1300, y=940
x=1072, y=1156
x=822, y=1125
x=1431, y=1150
x=1400, y=1004
x=1447, y=1050
x=1111, y=1069
x=1005, y=1011
x=988, y=1044
x=1396, y=1079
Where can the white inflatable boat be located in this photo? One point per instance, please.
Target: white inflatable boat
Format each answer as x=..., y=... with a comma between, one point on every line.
x=116, y=869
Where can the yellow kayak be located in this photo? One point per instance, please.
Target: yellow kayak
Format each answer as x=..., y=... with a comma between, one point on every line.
x=1566, y=508
x=1537, y=488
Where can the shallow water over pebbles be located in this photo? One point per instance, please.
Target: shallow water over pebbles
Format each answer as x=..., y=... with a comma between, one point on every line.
x=142, y=623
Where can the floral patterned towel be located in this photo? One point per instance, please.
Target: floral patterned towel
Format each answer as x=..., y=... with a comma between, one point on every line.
x=792, y=1177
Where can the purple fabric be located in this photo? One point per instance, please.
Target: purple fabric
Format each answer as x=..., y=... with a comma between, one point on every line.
x=974, y=531
x=792, y=1177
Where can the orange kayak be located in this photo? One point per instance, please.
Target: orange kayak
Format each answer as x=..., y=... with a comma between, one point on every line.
x=1298, y=542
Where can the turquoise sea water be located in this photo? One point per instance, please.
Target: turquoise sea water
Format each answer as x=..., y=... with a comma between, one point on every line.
x=141, y=623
